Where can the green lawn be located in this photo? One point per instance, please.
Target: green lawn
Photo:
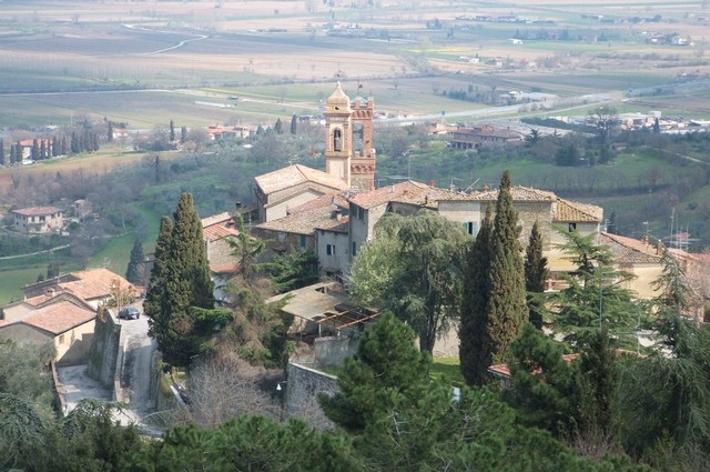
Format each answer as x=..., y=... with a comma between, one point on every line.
x=447, y=369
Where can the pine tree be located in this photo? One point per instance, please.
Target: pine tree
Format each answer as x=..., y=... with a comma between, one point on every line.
x=294, y=125
x=535, y=275
x=278, y=126
x=474, y=348
x=172, y=131
x=134, y=272
x=109, y=135
x=597, y=379
x=507, y=311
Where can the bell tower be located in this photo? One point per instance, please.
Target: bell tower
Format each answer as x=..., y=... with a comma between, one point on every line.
x=362, y=168
x=339, y=135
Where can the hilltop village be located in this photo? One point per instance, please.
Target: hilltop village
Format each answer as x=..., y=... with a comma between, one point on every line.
x=259, y=310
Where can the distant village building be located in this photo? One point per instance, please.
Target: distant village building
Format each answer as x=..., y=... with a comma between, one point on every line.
x=219, y=132
x=482, y=137
x=82, y=209
x=38, y=220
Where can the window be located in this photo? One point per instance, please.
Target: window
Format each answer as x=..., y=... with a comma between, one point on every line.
x=354, y=249
x=470, y=228
x=337, y=140
x=329, y=249
x=572, y=227
x=302, y=241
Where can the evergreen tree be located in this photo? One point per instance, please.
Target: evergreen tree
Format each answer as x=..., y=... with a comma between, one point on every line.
x=535, y=275
x=109, y=135
x=43, y=150
x=294, y=125
x=64, y=150
x=259, y=130
x=35, y=150
x=134, y=272
x=156, y=305
x=74, y=143
x=19, y=153
x=278, y=126
x=2, y=152
x=13, y=158
x=172, y=131
x=597, y=378
x=246, y=249
x=474, y=348
x=182, y=284
x=507, y=311
x=183, y=134
x=294, y=270
x=56, y=148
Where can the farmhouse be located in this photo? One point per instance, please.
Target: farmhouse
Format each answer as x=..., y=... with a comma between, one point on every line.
x=483, y=136
x=38, y=219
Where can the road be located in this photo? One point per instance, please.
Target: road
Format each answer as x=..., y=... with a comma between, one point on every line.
x=135, y=375
x=195, y=37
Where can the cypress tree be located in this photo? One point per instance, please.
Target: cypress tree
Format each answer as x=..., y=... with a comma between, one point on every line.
x=535, y=275
x=507, y=311
x=294, y=125
x=474, y=348
x=11, y=161
x=155, y=305
x=35, y=150
x=55, y=146
x=180, y=280
x=74, y=143
x=63, y=147
x=109, y=135
x=183, y=135
x=278, y=126
x=2, y=152
x=43, y=150
x=134, y=272
x=172, y=131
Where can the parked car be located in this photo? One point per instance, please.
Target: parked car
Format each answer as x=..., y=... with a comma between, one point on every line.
x=129, y=313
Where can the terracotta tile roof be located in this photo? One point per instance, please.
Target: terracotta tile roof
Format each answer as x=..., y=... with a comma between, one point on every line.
x=296, y=174
x=408, y=191
x=570, y=211
x=630, y=250
x=504, y=370
x=217, y=231
x=224, y=268
x=94, y=283
x=59, y=317
x=306, y=218
x=518, y=192
x=37, y=211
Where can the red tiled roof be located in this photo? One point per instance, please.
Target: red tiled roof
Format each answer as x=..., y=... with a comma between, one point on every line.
x=306, y=218
x=504, y=370
x=408, y=191
x=95, y=283
x=37, y=211
x=630, y=250
x=59, y=317
x=218, y=231
x=518, y=192
x=569, y=211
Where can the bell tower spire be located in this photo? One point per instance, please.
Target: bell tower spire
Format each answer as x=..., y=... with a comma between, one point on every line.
x=339, y=135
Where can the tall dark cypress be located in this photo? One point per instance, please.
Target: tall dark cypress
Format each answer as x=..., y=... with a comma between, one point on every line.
x=474, y=348
x=507, y=310
x=109, y=134
x=2, y=152
x=155, y=304
x=55, y=146
x=189, y=255
x=35, y=150
x=294, y=125
x=172, y=131
x=535, y=275
x=134, y=272
x=43, y=150
x=64, y=150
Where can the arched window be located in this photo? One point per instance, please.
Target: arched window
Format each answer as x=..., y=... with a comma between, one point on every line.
x=337, y=140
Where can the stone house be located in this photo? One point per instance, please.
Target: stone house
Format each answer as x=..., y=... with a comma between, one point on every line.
x=216, y=231
x=38, y=220
x=484, y=136
x=65, y=322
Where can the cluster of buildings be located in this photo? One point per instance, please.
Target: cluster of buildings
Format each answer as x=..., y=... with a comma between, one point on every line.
x=62, y=312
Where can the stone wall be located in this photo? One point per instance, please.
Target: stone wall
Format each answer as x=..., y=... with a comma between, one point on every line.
x=302, y=390
x=331, y=351
x=103, y=352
